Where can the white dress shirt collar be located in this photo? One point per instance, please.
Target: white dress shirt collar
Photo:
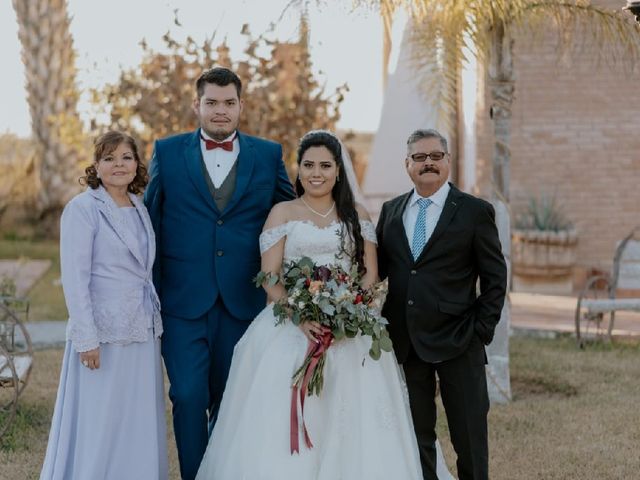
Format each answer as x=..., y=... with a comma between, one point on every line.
x=438, y=198
x=218, y=161
x=412, y=210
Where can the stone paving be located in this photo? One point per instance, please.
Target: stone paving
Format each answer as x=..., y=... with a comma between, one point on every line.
x=549, y=314
x=24, y=273
x=532, y=314
x=45, y=334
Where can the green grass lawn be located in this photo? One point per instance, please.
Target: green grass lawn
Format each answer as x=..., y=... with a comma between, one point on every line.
x=574, y=415
x=46, y=298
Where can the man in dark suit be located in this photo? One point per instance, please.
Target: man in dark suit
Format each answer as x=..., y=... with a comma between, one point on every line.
x=434, y=243
x=209, y=194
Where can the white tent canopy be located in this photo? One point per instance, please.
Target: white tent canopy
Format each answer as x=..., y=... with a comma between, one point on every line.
x=404, y=110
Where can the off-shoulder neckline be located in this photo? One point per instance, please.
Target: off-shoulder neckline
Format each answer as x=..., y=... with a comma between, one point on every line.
x=313, y=224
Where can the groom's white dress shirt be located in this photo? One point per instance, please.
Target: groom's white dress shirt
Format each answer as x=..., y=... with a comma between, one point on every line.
x=410, y=214
x=218, y=161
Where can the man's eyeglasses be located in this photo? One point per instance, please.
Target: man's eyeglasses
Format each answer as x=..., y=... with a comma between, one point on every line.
x=421, y=157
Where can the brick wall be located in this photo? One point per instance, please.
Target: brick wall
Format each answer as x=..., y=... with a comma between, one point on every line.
x=575, y=134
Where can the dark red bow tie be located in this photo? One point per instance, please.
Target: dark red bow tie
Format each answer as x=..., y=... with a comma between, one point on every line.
x=211, y=144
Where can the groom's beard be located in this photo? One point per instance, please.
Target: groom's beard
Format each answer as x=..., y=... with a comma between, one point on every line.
x=219, y=133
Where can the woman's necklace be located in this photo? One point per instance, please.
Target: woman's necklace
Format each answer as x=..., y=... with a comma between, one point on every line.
x=323, y=215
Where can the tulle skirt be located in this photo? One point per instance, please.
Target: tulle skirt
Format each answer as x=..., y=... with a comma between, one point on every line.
x=360, y=426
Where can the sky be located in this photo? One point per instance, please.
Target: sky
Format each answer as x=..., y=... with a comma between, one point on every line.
x=346, y=46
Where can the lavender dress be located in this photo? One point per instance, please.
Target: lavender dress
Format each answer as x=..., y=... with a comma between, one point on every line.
x=108, y=423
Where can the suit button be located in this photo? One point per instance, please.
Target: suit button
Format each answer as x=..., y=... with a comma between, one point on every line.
x=410, y=303
x=413, y=272
x=220, y=253
x=220, y=222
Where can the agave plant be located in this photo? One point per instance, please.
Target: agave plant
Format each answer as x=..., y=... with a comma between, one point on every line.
x=446, y=32
x=543, y=213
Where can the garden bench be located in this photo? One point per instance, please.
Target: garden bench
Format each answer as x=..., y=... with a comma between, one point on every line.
x=603, y=295
x=16, y=359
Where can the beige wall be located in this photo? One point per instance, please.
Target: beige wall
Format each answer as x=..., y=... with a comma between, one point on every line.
x=575, y=132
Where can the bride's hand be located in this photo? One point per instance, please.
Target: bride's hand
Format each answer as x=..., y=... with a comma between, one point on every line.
x=312, y=330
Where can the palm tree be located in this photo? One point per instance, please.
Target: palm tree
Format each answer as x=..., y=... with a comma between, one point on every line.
x=49, y=59
x=448, y=28
x=444, y=31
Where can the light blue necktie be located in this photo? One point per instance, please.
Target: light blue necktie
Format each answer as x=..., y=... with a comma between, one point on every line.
x=420, y=231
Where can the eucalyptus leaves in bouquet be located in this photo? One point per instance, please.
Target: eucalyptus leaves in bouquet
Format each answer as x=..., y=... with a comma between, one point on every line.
x=334, y=298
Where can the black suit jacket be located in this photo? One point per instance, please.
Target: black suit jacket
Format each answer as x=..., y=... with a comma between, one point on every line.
x=432, y=302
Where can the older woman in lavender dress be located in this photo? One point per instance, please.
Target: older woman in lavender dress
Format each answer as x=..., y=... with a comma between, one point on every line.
x=109, y=419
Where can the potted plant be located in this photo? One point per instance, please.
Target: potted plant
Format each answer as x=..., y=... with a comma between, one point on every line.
x=543, y=248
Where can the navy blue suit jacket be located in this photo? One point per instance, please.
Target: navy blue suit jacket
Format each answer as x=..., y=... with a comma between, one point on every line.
x=204, y=253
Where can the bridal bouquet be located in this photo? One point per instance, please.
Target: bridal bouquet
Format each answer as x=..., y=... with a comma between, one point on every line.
x=334, y=298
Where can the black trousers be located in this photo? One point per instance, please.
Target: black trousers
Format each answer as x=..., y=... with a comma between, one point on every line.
x=463, y=388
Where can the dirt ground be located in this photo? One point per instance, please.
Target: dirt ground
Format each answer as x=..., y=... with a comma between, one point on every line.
x=574, y=415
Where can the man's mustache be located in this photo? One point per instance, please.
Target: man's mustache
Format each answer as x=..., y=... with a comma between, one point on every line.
x=429, y=169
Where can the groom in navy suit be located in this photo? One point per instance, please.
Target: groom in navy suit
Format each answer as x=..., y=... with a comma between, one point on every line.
x=209, y=194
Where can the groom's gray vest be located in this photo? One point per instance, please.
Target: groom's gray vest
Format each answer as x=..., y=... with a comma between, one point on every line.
x=223, y=194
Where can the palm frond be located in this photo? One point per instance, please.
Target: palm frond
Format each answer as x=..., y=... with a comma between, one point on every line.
x=609, y=36
x=434, y=58
x=441, y=29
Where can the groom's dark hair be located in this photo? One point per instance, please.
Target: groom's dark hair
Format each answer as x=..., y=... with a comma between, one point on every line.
x=219, y=76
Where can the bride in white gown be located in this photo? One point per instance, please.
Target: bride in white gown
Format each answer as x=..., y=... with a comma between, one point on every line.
x=360, y=425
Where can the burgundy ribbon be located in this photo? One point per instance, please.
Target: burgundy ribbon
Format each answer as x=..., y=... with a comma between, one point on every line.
x=315, y=351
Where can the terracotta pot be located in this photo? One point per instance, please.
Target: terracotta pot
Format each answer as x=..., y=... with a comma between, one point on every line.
x=543, y=260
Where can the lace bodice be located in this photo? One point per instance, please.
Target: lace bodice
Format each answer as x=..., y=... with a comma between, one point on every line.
x=321, y=244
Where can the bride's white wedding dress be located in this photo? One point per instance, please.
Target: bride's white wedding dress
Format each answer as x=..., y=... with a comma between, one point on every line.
x=360, y=425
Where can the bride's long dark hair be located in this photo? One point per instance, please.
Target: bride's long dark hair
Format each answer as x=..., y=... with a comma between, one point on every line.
x=341, y=193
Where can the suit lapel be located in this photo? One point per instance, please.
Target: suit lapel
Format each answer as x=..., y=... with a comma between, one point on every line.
x=108, y=207
x=245, y=163
x=151, y=242
x=454, y=199
x=397, y=224
x=193, y=160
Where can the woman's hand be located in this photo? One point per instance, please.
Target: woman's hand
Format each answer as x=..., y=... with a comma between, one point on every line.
x=313, y=330
x=91, y=359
